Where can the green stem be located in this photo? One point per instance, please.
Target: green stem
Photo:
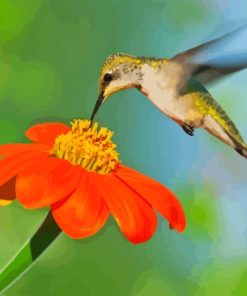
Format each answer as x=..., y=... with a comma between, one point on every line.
x=35, y=246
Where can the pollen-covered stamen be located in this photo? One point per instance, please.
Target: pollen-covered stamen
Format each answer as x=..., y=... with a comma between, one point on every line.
x=87, y=146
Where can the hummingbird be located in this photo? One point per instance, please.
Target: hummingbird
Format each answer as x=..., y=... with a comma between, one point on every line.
x=176, y=86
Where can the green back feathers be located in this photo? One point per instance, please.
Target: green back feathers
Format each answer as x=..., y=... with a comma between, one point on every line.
x=208, y=106
x=193, y=85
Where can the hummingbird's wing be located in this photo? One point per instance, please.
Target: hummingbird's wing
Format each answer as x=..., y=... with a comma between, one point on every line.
x=201, y=62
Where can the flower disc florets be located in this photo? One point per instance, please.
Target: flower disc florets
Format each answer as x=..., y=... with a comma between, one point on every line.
x=90, y=147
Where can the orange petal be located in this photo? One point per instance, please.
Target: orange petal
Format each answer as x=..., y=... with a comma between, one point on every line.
x=7, y=192
x=8, y=149
x=48, y=182
x=160, y=197
x=9, y=168
x=46, y=133
x=133, y=214
x=13, y=164
x=84, y=213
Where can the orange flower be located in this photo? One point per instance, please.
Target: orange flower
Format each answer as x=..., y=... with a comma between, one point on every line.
x=76, y=171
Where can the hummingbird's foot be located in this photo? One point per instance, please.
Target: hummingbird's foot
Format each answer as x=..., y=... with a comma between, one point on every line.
x=188, y=129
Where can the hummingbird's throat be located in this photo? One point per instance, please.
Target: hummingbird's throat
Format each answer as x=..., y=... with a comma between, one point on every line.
x=88, y=147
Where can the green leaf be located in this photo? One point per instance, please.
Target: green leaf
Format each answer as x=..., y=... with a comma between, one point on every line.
x=40, y=241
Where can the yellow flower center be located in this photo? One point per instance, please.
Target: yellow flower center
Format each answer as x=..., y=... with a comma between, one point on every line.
x=87, y=146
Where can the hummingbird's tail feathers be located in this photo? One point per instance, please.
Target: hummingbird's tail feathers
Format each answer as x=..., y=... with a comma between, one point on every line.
x=226, y=132
x=242, y=151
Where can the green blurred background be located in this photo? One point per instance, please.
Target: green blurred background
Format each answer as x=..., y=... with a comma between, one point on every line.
x=50, y=56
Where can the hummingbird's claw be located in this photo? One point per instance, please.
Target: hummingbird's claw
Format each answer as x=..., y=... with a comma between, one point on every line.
x=188, y=129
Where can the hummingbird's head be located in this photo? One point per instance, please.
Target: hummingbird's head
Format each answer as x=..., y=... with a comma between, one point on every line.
x=120, y=71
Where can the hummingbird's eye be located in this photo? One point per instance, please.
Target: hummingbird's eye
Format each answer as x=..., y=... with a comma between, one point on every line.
x=107, y=77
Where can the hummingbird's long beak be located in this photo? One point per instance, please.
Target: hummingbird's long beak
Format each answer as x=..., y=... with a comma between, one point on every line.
x=96, y=106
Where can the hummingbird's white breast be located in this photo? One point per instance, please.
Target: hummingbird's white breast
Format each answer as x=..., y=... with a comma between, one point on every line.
x=160, y=88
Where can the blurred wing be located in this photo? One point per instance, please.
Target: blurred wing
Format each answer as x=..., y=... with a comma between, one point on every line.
x=201, y=63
